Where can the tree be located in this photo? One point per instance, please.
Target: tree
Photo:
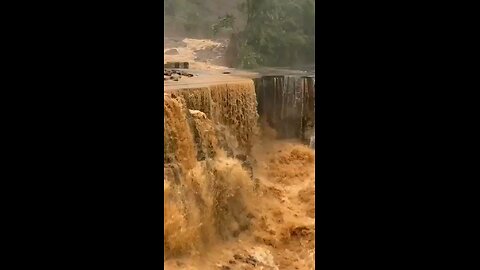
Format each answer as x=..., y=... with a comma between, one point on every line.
x=277, y=33
x=225, y=23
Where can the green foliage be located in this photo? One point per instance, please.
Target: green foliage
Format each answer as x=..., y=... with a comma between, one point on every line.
x=249, y=58
x=224, y=23
x=273, y=32
x=278, y=33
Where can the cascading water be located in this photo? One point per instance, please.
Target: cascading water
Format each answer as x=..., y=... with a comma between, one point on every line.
x=205, y=129
x=287, y=104
x=226, y=179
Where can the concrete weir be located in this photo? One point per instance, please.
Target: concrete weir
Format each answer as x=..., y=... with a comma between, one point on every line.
x=219, y=111
x=287, y=103
x=210, y=124
x=285, y=98
x=210, y=128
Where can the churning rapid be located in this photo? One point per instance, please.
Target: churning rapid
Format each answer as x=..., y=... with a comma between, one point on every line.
x=235, y=197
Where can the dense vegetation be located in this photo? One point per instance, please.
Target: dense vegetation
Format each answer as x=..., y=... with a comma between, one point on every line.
x=262, y=32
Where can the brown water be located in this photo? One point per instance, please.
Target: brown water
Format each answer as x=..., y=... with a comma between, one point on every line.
x=235, y=196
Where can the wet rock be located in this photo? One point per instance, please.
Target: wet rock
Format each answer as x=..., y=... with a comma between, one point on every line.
x=288, y=104
x=172, y=74
x=198, y=114
x=172, y=52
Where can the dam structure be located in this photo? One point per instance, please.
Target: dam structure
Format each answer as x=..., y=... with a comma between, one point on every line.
x=212, y=121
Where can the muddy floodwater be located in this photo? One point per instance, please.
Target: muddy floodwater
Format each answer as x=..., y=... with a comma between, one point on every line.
x=237, y=194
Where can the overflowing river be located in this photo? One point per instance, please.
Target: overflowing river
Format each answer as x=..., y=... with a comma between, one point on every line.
x=236, y=196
